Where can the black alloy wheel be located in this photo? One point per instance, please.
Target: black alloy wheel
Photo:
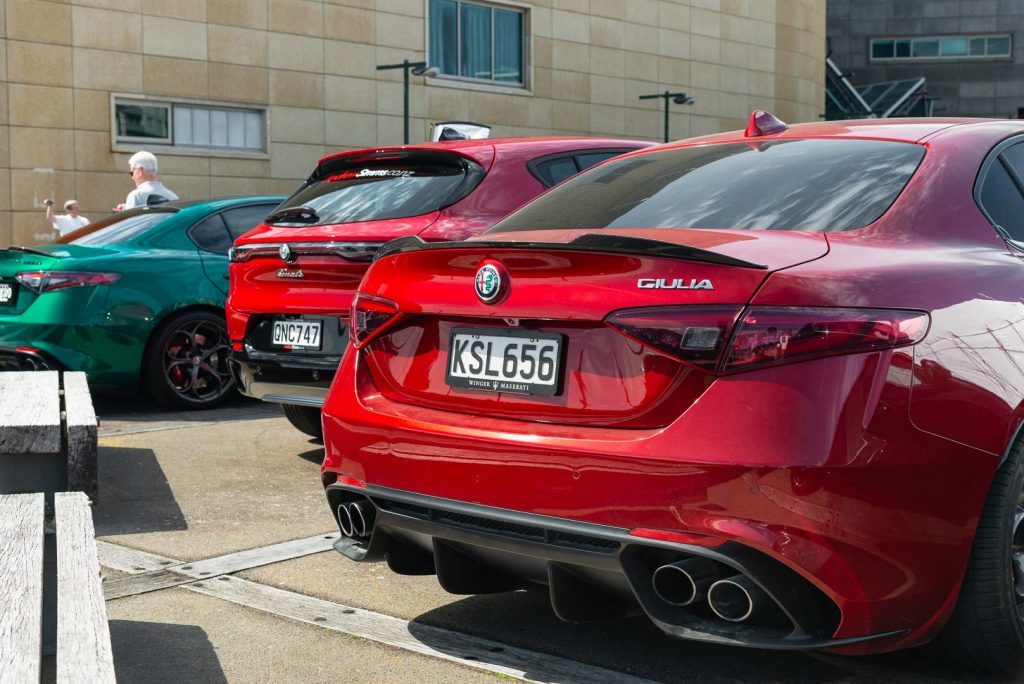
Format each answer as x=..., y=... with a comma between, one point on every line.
x=187, y=362
x=986, y=629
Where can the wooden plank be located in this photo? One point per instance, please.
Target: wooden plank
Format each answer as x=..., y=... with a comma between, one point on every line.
x=143, y=584
x=254, y=558
x=132, y=561
x=464, y=649
x=21, y=587
x=467, y=650
x=83, y=636
x=150, y=572
x=29, y=413
x=136, y=562
x=80, y=417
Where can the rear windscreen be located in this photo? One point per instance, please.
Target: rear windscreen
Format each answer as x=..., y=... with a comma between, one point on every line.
x=118, y=228
x=380, y=188
x=805, y=185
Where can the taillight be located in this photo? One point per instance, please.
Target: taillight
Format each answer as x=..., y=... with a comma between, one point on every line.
x=711, y=338
x=694, y=334
x=769, y=336
x=370, y=316
x=48, y=281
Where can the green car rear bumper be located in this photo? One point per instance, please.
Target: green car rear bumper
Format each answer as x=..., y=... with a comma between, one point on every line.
x=68, y=330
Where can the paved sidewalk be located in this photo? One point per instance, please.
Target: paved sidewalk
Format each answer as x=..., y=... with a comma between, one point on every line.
x=195, y=486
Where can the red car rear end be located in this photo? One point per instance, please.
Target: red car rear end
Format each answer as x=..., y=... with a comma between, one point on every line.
x=292, y=279
x=709, y=382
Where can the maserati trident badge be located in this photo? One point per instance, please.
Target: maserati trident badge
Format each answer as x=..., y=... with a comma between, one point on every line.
x=488, y=283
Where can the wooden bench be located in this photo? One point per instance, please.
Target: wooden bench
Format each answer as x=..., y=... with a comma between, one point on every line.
x=82, y=634
x=47, y=434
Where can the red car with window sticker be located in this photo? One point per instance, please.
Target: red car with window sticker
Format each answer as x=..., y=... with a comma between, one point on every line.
x=765, y=387
x=292, y=279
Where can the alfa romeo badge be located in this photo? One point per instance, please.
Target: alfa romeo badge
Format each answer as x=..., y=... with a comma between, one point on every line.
x=488, y=283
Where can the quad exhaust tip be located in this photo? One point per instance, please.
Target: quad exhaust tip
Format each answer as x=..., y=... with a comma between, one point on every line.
x=737, y=599
x=355, y=518
x=345, y=521
x=362, y=514
x=685, y=582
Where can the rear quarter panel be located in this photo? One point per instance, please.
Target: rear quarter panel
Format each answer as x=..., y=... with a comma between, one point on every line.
x=934, y=250
x=154, y=284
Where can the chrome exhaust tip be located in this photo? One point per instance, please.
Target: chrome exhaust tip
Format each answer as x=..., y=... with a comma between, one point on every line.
x=737, y=598
x=684, y=582
x=345, y=521
x=361, y=513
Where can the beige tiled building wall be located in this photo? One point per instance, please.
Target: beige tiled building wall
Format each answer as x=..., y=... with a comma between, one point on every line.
x=312, y=64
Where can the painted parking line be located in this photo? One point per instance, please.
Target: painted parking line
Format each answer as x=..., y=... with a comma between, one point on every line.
x=456, y=647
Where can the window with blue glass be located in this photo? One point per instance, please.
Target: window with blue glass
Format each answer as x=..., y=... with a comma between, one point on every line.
x=476, y=41
x=942, y=47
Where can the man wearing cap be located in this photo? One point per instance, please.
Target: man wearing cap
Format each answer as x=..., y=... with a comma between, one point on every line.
x=66, y=223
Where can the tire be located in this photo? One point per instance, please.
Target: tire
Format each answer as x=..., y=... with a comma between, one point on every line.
x=306, y=419
x=986, y=630
x=186, y=362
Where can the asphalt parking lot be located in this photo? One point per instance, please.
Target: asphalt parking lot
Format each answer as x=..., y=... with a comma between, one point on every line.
x=215, y=541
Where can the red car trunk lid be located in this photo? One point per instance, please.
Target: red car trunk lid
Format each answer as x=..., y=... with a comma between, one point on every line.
x=266, y=283
x=607, y=378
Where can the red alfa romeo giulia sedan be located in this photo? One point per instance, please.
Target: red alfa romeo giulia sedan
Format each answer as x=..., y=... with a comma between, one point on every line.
x=294, y=275
x=764, y=387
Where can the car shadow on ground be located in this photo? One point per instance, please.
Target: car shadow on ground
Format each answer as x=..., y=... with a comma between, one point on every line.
x=134, y=495
x=635, y=646
x=161, y=653
x=121, y=414
x=316, y=454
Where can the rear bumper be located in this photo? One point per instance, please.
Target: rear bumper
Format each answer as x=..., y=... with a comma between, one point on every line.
x=268, y=380
x=284, y=376
x=593, y=572
x=62, y=346
x=815, y=468
x=24, y=358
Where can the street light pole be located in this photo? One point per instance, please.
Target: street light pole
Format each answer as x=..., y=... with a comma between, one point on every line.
x=678, y=98
x=419, y=69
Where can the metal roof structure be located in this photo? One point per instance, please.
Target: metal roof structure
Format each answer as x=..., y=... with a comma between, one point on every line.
x=844, y=100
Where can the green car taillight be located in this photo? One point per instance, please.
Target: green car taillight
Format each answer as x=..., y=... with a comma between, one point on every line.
x=48, y=281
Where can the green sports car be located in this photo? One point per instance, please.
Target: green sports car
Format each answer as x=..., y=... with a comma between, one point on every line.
x=136, y=300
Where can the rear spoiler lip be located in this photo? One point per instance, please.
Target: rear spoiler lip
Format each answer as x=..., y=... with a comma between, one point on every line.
x=588, y=242
x=27, y=250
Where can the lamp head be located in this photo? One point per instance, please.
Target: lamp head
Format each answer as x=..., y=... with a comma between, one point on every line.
x=428, y=72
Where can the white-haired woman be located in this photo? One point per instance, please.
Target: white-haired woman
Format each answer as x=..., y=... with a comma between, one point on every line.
x=148, y=190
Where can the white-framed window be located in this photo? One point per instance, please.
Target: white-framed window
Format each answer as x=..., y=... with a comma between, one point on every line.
x=189, y=125
x=942, y=47
x=478, y=42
